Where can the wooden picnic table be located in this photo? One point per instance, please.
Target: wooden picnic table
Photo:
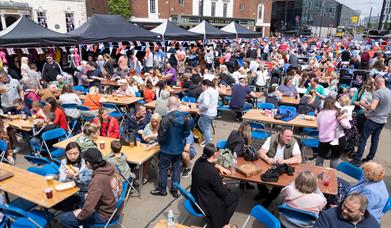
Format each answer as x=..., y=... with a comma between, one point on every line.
x=137, y=155
x=298, y=121
x=193, y=106
x=17, y=122
x=108, y=82
x=118, y=100
x=284, y=180
x=163, y=224
x=31, y=186
x=289, y=100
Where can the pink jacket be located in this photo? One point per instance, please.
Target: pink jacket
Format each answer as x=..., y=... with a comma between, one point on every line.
x=327, y=123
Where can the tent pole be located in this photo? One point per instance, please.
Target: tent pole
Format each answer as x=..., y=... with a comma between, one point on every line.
x=80, y=52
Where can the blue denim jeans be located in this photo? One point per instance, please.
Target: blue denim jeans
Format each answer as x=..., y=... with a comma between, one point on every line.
x=164, y=164
x=369, y=128
x=205, y=124
x=35, y=142
x=69, y=220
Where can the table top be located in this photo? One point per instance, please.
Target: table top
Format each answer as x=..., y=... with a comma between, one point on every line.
x=285, y=180
x=290, y=100
x=118, y=100
x=24, y=125
x=228, y=92
x=163, y=224
x=134, y=154
x=107, y=82
x=31, y=186
x=258, y=115
x=193, y=106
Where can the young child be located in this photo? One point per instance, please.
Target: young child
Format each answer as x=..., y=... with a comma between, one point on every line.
x=149, y=94
x=41, y=126
x=345, y=112
x=117, y=158
x=37, y=112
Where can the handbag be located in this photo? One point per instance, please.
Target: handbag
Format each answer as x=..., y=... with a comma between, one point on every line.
x=250, y=154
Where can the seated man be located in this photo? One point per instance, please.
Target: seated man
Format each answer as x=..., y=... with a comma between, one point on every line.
x=351, y=213
x=209, y=191
x=137, y=121
x=103, y=193
x=280, y=148
x=239, y=95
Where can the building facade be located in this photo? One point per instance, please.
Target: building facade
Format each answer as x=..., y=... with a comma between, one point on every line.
x=298, y=14
x=58, y=15
x=253, y=14
x=386, y=22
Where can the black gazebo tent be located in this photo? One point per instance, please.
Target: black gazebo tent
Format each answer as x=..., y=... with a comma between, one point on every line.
x=210, y=32
x=26, y=33
x=240, y=31
x=170, y=31
x=111, y=28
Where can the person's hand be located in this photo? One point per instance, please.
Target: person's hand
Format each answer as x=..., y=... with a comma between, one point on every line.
x=69, y=173
x=140, y=132
x=270, y=161
x=76, y=212
x=223, y=170
x=280, y=161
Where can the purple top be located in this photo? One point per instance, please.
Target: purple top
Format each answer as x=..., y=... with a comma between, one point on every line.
x=171, y=71
x=287, y=90
x=327, y=123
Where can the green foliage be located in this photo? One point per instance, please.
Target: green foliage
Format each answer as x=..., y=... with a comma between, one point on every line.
x=120, y=7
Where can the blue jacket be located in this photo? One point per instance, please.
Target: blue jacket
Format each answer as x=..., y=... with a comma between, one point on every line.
x=331, y=218
x=173, y=130
x=376, y=193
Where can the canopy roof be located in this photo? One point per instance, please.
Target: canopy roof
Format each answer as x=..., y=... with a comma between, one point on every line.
x=111, y=28
x=240, y=31
x=210, y=32
x=26, y=33
x=171, y=31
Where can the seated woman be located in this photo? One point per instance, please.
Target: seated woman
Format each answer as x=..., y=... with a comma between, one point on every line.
x=304, y=194
x=88, y=137
x=60, y=118
x=108, y=126
x=69, y=97
x=209, y=191
x=238, y=139
x=371, y=186
x=149, y=135
x=93, y=101
x=73, y=167
x=288, y=89
x=309, y=103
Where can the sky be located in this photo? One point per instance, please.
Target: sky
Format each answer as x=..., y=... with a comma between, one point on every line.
x=364, y=6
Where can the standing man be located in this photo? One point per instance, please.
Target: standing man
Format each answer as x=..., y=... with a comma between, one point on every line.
x=280, y=148
x=173, y=130
x=207, y=105
x=11, y=91
x=50, y=69
x=378, y=111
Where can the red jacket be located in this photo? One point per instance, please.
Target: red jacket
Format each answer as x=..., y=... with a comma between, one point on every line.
x=112, y=130
x=60, y=119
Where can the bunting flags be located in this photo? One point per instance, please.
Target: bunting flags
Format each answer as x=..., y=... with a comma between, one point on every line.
x=39, y=51
x=25, y=51
x=10, y=51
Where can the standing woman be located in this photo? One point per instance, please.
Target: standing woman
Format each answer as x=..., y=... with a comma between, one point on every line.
x=60, y=118
x=207, y=105
x=327, y=124
x=108, y=65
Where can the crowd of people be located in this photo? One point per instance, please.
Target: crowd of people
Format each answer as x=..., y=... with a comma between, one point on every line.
x=345, y=83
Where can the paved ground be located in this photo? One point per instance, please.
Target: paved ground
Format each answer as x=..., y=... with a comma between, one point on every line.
x=148, y=210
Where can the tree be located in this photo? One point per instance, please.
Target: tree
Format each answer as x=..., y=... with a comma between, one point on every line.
x=120, y=7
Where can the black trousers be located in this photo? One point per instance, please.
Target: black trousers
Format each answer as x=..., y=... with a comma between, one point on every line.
x=218, y=219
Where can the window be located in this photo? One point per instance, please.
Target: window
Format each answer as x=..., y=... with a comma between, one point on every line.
x=242, y=6
x=181, y=2
x=201, y=8
x=213, y=9
x=260, y=12
x=225, y=6
x=152, y=6
x=41, y=17
x=69, y=21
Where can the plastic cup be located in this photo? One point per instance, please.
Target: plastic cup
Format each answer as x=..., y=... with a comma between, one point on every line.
x=102, y=145
x=138, y=142
x=49, y=179
x=49, y=193
x=326, y=180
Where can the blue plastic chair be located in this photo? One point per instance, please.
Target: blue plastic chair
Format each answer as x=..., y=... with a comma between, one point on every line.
x=70, y=106
x=114, y=220
x=350, y=170
x=221, y=144
x=3, y=150
x=387, y=207
x=21, y=218
x=263, y=216
x=4, y=223
x=189, y=99
x=258, y=131
x=189, y=202
x=85, y=108
x=296, y=217
x=79, y=88
x=58, y=134
x=42, y=166
x=265, y=105
x=114, y=111
x=311, y=139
